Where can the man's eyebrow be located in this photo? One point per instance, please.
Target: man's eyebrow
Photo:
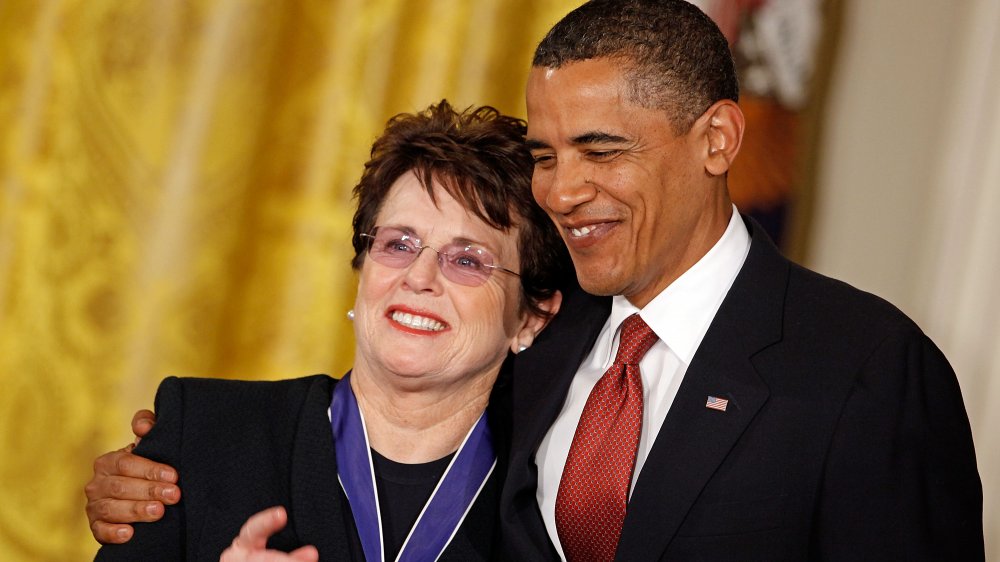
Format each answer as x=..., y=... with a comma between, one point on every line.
x=534, y=144
x=592, y=137
x=598, y=137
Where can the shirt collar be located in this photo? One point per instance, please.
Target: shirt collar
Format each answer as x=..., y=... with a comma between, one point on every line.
x=680, y=314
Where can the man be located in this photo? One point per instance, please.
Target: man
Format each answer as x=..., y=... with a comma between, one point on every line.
x=757, y=411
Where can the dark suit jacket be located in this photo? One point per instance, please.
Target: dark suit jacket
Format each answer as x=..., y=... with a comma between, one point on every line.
x=241, y=447
x=845, y=436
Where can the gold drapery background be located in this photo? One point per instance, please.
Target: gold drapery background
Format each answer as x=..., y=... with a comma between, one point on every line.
x=175, y=184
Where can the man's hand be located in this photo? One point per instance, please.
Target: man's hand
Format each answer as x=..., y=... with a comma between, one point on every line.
x=142, y=422
x=251, y=544
x=127, y=488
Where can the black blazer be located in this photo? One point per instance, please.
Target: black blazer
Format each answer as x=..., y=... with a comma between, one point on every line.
x=845, y=436
x=241, y=447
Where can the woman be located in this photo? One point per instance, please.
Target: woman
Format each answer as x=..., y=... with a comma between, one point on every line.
x=457, y=267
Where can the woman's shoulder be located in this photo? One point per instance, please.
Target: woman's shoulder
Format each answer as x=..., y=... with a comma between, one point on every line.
x=207, y=384
x=200, y=414
x=219, y=395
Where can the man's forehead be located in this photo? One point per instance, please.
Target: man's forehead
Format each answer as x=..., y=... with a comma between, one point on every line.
x=577, y=84
x=573, y=115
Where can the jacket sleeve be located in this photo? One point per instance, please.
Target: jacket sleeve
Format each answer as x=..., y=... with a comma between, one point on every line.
x=163, y=539
x=900, y=478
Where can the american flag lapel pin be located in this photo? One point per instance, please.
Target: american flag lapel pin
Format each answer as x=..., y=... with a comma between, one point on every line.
x=717, y=403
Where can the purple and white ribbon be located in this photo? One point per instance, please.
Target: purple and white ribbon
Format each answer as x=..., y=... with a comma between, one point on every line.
x=444, y=511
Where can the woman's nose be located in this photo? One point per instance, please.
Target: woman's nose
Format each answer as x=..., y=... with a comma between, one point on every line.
x=424, y=274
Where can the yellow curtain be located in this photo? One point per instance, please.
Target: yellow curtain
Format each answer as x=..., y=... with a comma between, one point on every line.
x=175, y=182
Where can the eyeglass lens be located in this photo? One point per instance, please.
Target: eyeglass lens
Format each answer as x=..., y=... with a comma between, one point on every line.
x=461, y=263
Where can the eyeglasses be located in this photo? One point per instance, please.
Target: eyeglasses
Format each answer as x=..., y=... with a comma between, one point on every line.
x=462, y=263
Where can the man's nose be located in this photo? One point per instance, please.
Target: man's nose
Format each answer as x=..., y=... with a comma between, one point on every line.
x=570, y=187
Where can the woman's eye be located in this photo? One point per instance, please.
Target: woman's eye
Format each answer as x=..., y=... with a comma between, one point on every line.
x=467, y=261
x=398, y=247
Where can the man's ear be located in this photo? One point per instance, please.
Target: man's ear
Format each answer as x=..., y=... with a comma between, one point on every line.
x=533, y=323
x=722, y=126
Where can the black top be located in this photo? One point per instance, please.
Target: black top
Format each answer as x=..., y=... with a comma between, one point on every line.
x=403, y=489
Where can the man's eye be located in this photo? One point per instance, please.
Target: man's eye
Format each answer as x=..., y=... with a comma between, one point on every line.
x=602, y=155
x=544, y=160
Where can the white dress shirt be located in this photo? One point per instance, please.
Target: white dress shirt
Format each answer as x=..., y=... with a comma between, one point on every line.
x=680, y=316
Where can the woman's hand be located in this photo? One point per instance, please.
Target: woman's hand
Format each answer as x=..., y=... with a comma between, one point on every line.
x=251, y=544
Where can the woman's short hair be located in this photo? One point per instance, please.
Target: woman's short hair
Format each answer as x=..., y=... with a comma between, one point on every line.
x=479, y=157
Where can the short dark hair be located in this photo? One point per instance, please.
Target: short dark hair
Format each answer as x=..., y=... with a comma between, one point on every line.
x=674, y=55
x=479, y=157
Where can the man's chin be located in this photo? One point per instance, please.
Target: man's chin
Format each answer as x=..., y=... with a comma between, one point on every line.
x=599, y=282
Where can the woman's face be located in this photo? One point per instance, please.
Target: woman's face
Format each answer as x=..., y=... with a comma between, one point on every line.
x=416, y=326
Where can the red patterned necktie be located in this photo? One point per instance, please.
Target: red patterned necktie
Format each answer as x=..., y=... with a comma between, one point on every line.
x=593, y=492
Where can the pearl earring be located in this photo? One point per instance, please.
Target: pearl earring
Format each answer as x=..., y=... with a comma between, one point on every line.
x=350, y=315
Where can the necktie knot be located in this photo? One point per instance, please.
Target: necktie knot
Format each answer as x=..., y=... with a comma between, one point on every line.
x=636, y=339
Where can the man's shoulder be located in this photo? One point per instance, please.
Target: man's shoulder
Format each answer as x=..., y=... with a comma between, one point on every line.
x=841, y=305
x=835, y=331
x=767, y=273
x=811, y=319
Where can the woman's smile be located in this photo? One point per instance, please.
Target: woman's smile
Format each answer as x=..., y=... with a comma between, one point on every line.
x=416, y=322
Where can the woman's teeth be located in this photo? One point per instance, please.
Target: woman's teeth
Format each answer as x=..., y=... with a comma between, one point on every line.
x=583, y=231
x=417, y=322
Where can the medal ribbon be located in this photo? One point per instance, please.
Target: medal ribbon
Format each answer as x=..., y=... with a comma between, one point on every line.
x=445, y=509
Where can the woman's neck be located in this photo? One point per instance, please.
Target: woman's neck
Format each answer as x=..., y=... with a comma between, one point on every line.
x=419, y=425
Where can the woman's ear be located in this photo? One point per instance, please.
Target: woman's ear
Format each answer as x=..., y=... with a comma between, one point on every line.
x=722, y=125
x=533, y=323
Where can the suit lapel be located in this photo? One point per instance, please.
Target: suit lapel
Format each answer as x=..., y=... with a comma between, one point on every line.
x=317, y=513
x=541, y=380
x=694, y=440
x=543, y=373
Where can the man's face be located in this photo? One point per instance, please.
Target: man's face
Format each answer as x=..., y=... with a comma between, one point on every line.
x=631, y=198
